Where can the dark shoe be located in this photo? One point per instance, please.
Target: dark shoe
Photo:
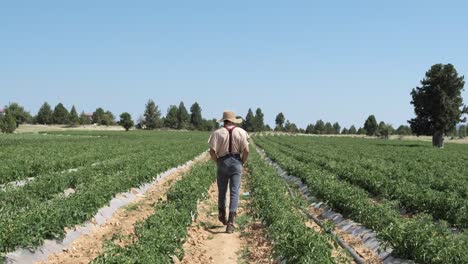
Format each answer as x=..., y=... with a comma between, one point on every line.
x=230, y=224
x=222, y=216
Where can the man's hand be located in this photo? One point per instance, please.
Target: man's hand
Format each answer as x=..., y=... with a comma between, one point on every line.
x=213, y=155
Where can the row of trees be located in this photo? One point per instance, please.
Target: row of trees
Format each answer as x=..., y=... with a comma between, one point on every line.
x=438, y=106
x=177, y=117
x=61, y=116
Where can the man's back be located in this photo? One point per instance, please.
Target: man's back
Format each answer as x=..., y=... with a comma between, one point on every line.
x=219, y=141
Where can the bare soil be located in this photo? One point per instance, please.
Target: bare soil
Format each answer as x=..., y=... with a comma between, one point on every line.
x=208, y=242
x=364, y=252
x=120, y=228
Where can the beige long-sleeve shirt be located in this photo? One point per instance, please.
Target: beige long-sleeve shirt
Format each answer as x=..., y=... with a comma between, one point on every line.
x=219, y=141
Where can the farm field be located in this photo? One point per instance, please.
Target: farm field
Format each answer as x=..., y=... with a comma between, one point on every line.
x=72, y=175
x=413, y=196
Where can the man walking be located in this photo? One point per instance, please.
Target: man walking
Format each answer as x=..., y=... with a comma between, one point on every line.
x=226, y=146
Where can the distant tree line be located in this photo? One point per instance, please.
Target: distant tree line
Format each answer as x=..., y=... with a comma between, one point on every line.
x=438, y=106
x=177, y=117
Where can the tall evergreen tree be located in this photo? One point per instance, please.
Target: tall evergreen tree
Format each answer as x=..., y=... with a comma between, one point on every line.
x=310, y=129
x=319, y=127
x=345, y=131
x=183, y=117
x=279, y=120
x=84, y=120
x=74, y=119
x=196, y=116
x=152, y=115
x=438, y=103
x=249, y=121
x=329, y=128
x=259, y=123
x=371, y=125
x=336, y=128
x=45, y=115
x=171, y=120
x=61, y=115
x=352, y=130
x=8, y=123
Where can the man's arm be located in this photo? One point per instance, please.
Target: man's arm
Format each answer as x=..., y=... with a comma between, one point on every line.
x=245, y=156
x=213, y=155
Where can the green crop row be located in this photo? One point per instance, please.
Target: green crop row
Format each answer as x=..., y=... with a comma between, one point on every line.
x=161, y=235
x=449, y=206
x=417, y=162
x=418, y=238
x=39, y=210
x=292, y=240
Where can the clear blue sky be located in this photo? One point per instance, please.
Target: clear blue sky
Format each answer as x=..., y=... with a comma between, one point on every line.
x=333, y=60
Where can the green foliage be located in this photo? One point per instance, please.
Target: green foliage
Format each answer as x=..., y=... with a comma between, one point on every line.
x=106, y=163
x=98, y=116
x=209, y=125
x=259, y=123
x=361, y=131
x=347, y=172
x=183, y=118
x=438, y=103
x=161, y=235
x=74, y=119
x=328, y=128
x=61, y=115
x=352, y=130
x=336, y=128
x=8, y=124
x=292, y=240
x=152, y=116
x=45, y=115
x=20, y=115
x=279, y=121
x=403, y=130
x=126, y=121
x=319, y=127
x=310, y=129
x=171, y=120
x=102, y=117
x=385, y=130
x=108, y=118
x=345, y=131
x=290, y=127
x=84, y=120
x=196, y=116
x=249, y=123
x=462, y=131
x=371, y=126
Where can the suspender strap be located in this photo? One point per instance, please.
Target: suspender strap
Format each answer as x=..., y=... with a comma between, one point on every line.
x=230, y=138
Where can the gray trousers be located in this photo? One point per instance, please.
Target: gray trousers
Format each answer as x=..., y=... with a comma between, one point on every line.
x=229, y=172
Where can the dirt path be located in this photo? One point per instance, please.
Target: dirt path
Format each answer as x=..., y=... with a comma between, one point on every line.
x=207, y=241
x=120, y=227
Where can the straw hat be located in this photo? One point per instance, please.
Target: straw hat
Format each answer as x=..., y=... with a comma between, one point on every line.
x=230, y=116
